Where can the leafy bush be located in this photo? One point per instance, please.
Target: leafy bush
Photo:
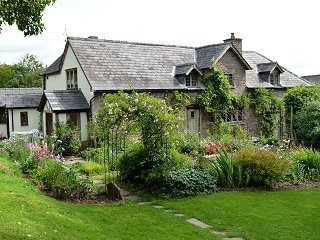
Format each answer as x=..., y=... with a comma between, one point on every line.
x=67, y=138
x=308, y=161
x=307, y=124
x=61, y=181
x=93, y=154
x=190, y=142
x=132, y=164
x=262, y=167
x=189, y=181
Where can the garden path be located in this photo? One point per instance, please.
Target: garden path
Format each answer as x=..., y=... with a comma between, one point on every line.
x=194, y=222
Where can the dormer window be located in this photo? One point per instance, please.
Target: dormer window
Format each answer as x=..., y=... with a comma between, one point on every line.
x=274, y=79
x=191, y=81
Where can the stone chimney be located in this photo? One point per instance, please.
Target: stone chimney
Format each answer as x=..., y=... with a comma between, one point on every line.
x=236, y=42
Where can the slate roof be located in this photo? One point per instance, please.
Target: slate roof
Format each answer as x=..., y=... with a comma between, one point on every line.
x=205, y=54
x=20, y=97
x=186, y=69
x=312, y=78
x=65, y=100
x=112, y=65
x=253, y=79
x=268, y=67
x=54, y=67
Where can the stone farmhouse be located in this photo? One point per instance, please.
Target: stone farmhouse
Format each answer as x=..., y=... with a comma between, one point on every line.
x=73, y=85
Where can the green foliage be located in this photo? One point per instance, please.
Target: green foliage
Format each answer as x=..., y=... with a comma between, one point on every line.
x=152, y=117
x=307, y=124
x=133, y=164
x=62, y=181
x=190, y=142
x=223, y=169
x=222, y=130
x=91, y=168
x=24, y=74
x=189, y=181
x=261, y=167
x=298, y=96
x=179, y=99
x=307, y=161
x=27, y=15
x=93, y=154
x=266, y=107
x=217, y=95
x=66, y=138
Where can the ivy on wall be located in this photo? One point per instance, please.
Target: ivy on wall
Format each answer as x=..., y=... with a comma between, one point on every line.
x=266, y=107
x=217, y=95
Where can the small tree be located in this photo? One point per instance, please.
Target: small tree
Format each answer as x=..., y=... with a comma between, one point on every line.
x=307, y=124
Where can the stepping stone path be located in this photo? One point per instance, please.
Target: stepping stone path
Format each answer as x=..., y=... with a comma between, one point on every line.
x=194, y=222
x=197, y=223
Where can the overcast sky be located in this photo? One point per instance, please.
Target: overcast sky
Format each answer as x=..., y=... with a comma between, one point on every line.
x=284, y=31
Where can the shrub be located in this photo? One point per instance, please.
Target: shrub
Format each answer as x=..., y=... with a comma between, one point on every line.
x=190, y=142
x=262, y=167
x=134, y=167
x=307, y=124
x=90, y=168
x=132, y=163
x=189, y=181
x=67, y=138
x=61, y=181
x=309, y=162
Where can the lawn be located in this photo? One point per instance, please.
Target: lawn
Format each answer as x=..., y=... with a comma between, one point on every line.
x=25, y=213
x=283, y=214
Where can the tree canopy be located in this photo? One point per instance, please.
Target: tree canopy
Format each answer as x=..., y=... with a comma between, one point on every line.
x=26, y=14
x=25, y=73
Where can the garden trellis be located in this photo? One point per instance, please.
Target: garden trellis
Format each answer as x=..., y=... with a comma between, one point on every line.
x=122, y=115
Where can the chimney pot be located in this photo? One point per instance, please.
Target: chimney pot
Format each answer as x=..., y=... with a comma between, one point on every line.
x=232, y=36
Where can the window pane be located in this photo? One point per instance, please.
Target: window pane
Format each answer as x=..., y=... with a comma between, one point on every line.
x=188, y=81
x=24, y=118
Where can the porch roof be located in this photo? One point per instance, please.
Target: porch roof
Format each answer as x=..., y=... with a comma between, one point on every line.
x=64, y=100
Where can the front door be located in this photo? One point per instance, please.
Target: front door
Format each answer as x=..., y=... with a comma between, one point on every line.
x=193, y=120
x=49, y=124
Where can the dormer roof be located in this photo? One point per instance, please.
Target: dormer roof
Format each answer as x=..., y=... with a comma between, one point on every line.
x=186, y=69
x=269, y=67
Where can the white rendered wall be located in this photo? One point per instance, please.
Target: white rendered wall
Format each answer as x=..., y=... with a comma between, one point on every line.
x=3, y=130
x=59, y=81
x=33, y=120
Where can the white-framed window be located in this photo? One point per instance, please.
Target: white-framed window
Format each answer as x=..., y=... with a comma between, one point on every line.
x=72, y=78
x=191, y=81
x=230, y=78
x=274, y=79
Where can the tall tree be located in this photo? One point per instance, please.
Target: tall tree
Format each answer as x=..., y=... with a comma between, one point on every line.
x=26, y=14
x=25, y=73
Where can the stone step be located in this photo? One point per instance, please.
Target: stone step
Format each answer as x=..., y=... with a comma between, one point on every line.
x=197, y=223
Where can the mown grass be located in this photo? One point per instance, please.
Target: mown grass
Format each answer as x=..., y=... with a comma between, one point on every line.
x=283, y=214
x=26, y=213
